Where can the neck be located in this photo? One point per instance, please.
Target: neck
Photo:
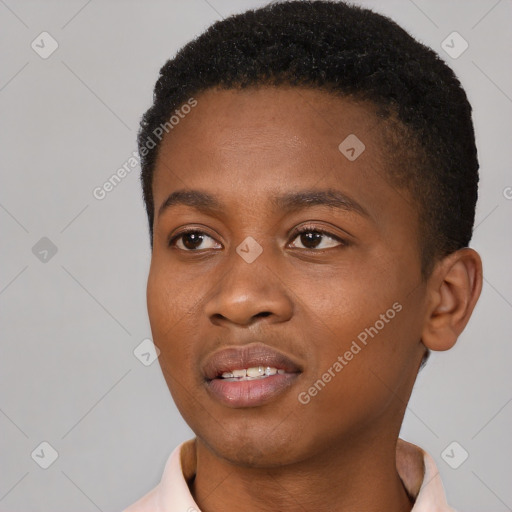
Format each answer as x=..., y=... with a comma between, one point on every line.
x=356, y=475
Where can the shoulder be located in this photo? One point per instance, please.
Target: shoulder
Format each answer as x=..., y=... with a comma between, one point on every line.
x=172, y=492
x=148, y=502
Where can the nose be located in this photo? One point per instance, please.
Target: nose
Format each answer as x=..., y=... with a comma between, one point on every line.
x=249, y=292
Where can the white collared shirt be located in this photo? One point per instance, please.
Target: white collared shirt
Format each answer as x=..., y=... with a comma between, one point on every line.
x=172, y=494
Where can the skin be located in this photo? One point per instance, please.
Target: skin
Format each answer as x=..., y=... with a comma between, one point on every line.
x=310, y=302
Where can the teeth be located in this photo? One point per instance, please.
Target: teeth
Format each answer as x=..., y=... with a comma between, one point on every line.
x=255, y=372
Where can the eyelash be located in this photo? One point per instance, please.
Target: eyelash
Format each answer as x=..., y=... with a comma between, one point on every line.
x=297, y=232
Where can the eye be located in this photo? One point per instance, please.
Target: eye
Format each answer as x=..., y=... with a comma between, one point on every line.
x=190, y=239
x=310, y=236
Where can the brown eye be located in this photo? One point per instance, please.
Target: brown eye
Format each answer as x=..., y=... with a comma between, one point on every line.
x=191, y=240
x=312, y=237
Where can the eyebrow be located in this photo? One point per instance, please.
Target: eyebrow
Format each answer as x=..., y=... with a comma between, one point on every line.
x=292, y=201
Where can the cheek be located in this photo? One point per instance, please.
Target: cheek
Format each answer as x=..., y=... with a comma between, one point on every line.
x=170, y=306
x=168, y=299
x=344, y=307
x=364, y=347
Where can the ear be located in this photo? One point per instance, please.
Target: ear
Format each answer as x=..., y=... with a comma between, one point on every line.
x=453, y=290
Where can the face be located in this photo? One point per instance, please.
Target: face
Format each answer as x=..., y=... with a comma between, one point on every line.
x=302, y=260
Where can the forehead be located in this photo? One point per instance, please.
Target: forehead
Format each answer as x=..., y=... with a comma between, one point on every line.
x=247, y=147
x=266, y=117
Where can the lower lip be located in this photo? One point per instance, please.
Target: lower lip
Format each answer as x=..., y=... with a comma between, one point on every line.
x=250, y=393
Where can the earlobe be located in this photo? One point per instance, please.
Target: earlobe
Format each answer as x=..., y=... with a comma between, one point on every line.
x=453, y=290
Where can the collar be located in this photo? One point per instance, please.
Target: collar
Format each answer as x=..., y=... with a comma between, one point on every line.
x=416, y=469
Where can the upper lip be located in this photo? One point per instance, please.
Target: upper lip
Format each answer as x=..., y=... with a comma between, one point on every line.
x=247, y=356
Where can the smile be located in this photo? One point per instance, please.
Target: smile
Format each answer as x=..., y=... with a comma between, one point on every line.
x=255, y=372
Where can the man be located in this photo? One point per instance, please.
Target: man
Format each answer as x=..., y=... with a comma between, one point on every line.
x=310, y=177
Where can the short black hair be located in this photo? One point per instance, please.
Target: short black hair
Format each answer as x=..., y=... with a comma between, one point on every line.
x=351, y=52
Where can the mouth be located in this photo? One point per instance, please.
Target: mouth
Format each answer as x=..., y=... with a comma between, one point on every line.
x=250, y=375
x=255, y=372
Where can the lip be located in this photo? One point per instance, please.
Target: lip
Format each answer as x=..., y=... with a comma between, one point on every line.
x=249, y=393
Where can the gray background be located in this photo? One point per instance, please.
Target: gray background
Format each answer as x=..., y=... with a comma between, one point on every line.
x=70, y=324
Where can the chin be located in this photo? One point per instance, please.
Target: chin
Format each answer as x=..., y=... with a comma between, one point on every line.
x=250, y=447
